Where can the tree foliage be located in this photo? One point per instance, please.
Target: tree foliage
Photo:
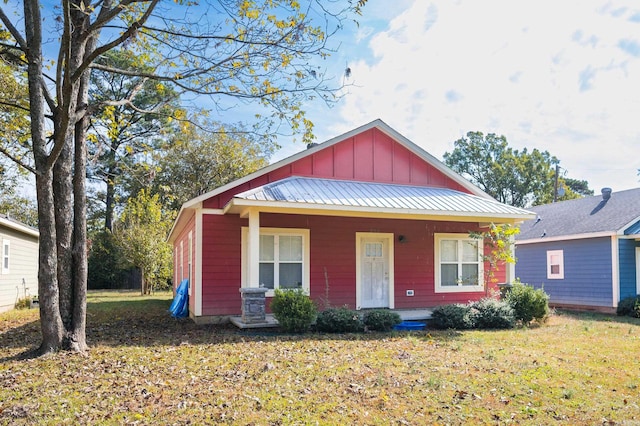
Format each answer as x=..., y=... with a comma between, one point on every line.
x=123, y=131
x=519, y=178
x=199, y=160
x=141, y=238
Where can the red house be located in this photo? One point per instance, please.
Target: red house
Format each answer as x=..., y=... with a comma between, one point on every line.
x=367, y=219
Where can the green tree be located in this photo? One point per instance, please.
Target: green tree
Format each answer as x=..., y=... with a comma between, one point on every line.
x=518, y=178
x=141, y=238
x=236, y=51
x=137, y=124
x=199, y=160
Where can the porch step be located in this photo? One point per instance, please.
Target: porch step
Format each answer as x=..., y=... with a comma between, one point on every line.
x=414, y=314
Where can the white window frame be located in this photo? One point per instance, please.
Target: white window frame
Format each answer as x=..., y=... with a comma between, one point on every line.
x=560, y=274
x=439, y=288
x=181, y=260
x=297, y=232
x=6, y=256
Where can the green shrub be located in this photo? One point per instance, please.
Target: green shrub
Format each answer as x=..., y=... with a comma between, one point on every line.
x=381, y=319
x=628, y=306
x=528, y=303
x=492, y=313
x=294, y=310
x=456, y=316
x=24, y=303
x=339, y=320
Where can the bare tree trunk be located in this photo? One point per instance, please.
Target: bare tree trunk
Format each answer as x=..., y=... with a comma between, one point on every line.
x=76, y=336
x=50, y=320
x=63, y=198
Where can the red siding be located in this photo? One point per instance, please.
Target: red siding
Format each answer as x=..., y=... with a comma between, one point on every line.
x=332, y=252
x=370, y=156
x=221, y=263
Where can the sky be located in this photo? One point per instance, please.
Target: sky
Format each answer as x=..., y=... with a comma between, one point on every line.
x=559, y=76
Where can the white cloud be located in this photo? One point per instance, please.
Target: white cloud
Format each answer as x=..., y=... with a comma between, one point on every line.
x=558, y=76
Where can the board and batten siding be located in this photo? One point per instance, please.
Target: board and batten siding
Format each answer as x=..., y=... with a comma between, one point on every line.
x=332, y=259
x=23, y=267
x=371, y=156
x=587, y=271
x=628, y=263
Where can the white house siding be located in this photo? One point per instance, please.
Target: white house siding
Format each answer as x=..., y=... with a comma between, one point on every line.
x=23, y=267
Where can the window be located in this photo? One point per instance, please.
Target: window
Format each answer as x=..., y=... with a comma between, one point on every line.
x=555, y=264
x=284, y=258
x=458, y=264
x=5, y=256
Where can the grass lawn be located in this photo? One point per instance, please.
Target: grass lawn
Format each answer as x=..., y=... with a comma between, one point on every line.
x=145, y=367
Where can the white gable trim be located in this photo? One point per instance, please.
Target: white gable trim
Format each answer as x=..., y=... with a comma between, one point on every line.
x=566, y=237
x=379, y=124
x=18, y=227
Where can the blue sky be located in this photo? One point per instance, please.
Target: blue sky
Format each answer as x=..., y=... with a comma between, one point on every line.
x=561, y=76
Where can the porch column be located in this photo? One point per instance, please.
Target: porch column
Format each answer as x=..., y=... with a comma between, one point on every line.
x=253, y=252
x=510, y=268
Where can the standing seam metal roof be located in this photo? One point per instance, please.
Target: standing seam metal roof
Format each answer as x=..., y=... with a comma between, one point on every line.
x=330, y=192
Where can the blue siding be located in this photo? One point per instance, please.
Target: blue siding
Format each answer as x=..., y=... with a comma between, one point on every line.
x=628, y=267
x=587, y=271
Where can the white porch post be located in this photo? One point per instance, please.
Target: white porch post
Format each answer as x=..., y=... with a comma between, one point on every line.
x=253, y=252
x=510, y=268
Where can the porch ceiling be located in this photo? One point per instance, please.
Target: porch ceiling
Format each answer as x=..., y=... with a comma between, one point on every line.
x=355, y=198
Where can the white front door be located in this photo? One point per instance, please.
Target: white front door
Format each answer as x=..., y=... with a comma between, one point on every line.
x=374, y=271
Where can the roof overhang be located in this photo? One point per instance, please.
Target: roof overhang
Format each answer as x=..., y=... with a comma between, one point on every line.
x=243, y=207
x=16, y=226
x=331, y=197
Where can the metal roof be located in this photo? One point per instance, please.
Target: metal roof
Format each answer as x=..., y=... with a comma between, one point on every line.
x=382, y=196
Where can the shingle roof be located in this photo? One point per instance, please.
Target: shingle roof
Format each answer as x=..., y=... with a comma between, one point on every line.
x=383, y=196
x=583, y=216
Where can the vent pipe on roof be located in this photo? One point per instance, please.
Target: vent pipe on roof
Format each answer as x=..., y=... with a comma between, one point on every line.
x=606, y=193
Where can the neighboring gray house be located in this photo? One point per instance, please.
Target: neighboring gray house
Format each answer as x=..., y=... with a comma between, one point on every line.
x=584, y=252
x=18, y=262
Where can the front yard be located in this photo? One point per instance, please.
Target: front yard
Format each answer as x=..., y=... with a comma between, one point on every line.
x=145, y=367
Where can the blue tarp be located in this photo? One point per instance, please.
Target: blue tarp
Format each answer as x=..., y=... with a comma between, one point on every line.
x=180, y=306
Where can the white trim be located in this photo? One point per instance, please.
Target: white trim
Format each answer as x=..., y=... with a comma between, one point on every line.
x=438, y=288
x=389, y=237
x=306, y=255
x=637, y=270
x=19, y=227
x=379, y=124
x=253, y=250
x=615, y=271
x=566, y=237
x=5, y=256
x=560, y=274
x=211, y=211
x=197, y=282
x=624, y=228
x=181, y=260
x=237, y=206
x=190, y=261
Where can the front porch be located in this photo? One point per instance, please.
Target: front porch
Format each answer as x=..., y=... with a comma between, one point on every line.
x=271, y=322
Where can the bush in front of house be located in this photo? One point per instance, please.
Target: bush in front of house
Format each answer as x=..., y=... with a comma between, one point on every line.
x=629, y=306
x=294, y=310
x=528, y=303
x=492, y=313
x=381, y=319
x=455, y=316
x=339, y=320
